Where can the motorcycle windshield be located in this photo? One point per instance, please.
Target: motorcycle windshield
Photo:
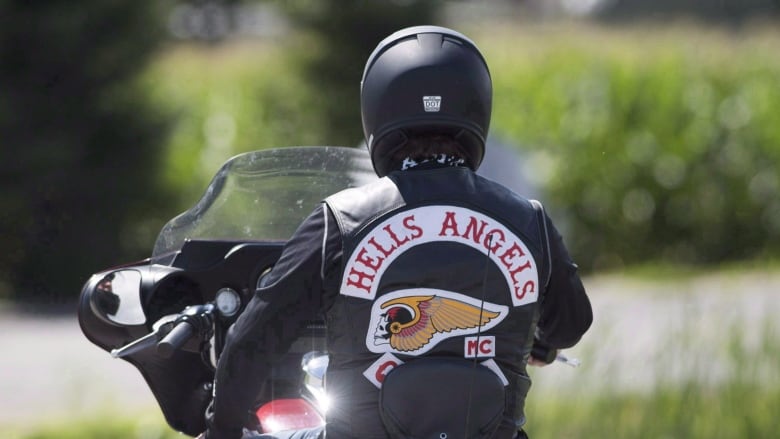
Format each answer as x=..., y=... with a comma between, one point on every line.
x=264, y=195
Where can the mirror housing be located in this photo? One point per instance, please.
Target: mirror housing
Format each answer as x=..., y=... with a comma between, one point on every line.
x=116, y=299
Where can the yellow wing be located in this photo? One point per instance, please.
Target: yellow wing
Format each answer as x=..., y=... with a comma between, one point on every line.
x=448, y=314
x=436, y=314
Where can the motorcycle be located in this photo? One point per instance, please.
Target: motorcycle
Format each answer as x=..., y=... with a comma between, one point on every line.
x=168, y=315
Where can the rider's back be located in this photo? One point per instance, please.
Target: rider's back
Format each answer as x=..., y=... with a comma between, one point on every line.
x=436, y=263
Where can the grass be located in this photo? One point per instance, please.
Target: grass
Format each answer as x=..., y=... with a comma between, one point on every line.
x=108, y=424
x=712, y=375
x=222, y=98
x=733, y=410
x=652, y=271
x=742, y=404
x=648, y=142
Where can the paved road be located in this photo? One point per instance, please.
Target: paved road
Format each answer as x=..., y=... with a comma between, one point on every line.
x=643, y=332
x=47, y=367
x=648, y=333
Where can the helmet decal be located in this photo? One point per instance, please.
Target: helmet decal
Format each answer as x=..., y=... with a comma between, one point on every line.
x=431, y=104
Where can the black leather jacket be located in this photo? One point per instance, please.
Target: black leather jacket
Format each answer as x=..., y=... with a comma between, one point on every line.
x=418, y=263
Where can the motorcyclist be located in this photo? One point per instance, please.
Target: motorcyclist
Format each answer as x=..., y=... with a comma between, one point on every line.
x=418, y=263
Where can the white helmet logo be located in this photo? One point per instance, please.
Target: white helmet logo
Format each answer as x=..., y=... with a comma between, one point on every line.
x=432, y=104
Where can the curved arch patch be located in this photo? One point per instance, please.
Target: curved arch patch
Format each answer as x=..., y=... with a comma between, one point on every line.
x=422, y=225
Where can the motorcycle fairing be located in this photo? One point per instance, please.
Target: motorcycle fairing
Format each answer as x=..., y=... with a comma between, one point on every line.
x=228, y=239
x=181, y=384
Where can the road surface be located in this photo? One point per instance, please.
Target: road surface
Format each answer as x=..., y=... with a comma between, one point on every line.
x=643, y=332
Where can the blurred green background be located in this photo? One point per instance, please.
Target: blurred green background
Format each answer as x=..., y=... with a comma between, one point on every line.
x=648, y=128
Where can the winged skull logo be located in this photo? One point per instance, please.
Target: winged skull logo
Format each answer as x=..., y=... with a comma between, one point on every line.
x=409, y=323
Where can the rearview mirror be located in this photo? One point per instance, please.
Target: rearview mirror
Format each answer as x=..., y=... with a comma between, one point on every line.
x=117, y=298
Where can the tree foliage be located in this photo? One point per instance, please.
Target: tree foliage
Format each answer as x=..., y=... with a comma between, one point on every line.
x=651, y=151
x=344, y=33
x=79, y=142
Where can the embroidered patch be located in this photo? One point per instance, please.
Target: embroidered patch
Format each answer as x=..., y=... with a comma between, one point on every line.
x=380, y=368
x=428, y=224
x=413, y=321
x=483, y=346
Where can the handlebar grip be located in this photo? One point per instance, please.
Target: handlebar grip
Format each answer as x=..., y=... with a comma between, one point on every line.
x=175, y=339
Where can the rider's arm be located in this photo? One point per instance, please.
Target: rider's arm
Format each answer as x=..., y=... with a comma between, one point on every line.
x=292, y=295
x=566, y=313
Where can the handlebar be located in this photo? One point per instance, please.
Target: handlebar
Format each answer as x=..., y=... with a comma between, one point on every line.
x=138, y=345
x=573, y=362
x=541, y=351
x=179, y=335
x=173, y=332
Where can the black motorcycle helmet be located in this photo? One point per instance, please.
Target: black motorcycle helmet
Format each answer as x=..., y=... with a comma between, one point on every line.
x=425, y=79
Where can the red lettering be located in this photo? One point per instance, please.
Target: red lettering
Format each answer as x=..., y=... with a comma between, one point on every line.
x=449, y=224
x=409, y=224
x=523, y=267
x=489, y=239
x=476, y=234
x=384, y=369
x=360, y=282
x=511, y=253
x=379, y=247
x=528, y=287
x=485, y=346
x=392, y=234
x=480, y=346
x=368, y=261
x=471, y=347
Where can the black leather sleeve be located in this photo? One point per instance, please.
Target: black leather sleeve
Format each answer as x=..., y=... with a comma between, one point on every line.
x=293, y=294
x=566, y=313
